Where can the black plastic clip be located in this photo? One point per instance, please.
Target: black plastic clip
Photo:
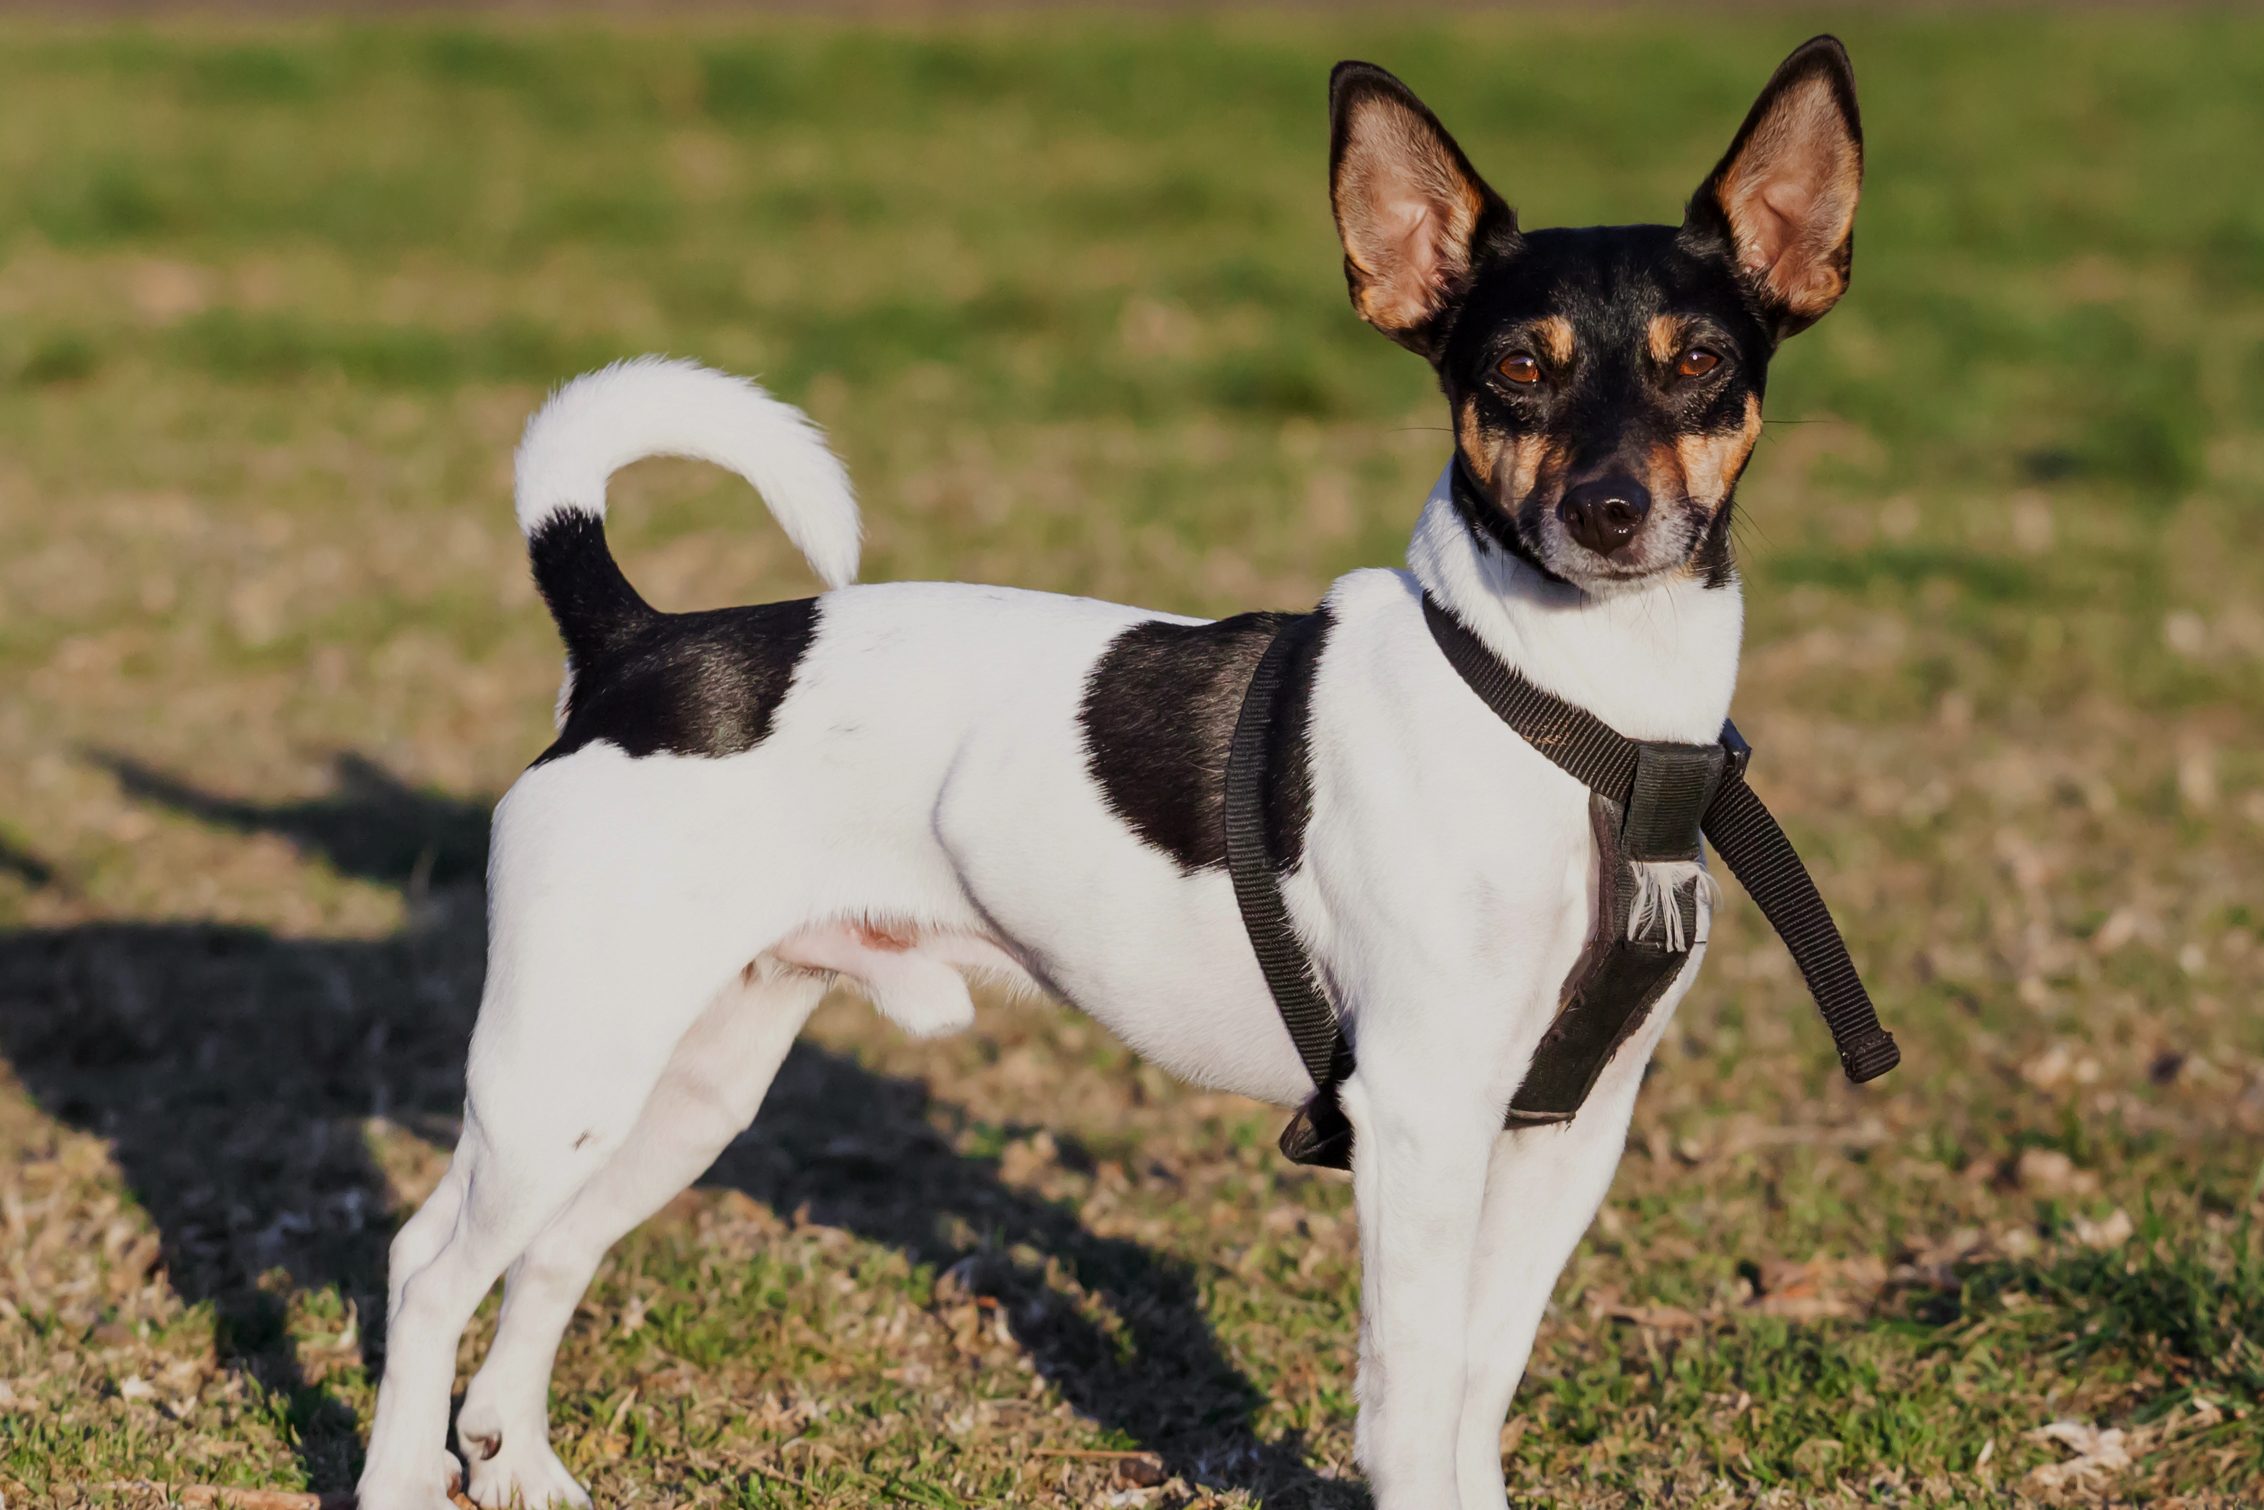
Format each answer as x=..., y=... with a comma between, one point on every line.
x=1740, y=753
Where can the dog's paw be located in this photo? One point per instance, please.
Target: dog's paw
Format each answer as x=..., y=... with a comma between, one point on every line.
x=518, y=1469
x=432, y=1490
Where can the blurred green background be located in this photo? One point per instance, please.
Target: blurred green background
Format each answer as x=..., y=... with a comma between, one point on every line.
x=275, y=296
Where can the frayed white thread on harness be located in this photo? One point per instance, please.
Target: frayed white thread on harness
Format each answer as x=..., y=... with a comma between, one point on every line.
x=1657, y=885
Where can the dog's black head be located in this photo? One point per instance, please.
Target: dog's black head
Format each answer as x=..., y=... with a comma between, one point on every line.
x=1605, y=383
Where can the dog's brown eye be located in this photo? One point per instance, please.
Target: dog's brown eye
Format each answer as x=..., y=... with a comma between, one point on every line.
x=1696, y=362
x=1520, y=368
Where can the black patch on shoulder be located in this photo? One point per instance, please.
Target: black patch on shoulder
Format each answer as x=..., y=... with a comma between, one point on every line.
x=1158, y=719
x=690, y=683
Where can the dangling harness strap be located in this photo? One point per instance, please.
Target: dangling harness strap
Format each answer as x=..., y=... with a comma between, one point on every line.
x=1655, y=794
x=1742, y=831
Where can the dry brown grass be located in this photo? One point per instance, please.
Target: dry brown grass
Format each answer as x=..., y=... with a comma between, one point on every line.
x=271, y=311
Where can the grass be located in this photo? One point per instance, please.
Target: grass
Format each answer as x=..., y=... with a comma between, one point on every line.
x=273, y=302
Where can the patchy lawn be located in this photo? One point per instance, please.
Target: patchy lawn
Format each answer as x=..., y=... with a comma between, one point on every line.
x=273, y=302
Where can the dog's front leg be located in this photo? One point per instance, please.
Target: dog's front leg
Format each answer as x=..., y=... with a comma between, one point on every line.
x=1542, y=1190
x=1423, y=1133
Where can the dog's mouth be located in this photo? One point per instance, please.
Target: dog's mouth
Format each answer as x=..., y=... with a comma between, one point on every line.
x=1625, y=554
x=1606, y=527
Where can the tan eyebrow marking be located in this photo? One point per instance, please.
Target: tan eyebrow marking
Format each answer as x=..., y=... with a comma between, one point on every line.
x=1666, y=335
x=1554, y=334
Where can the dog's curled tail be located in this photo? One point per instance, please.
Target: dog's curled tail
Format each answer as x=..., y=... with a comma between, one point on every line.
x=654, y=406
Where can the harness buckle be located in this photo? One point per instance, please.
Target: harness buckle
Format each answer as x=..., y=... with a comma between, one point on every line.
x=1319, y=1135
x=1740, y=753
x=1674, y=785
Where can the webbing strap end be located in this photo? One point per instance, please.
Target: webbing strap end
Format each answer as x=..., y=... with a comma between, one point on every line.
x=1870, y=1056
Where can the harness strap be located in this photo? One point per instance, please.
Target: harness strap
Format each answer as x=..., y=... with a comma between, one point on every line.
x=1576, y=741
x=1755, y=848
x=1741, y=829
x=1257, y=885
x=1645, y=783
x=1319, y=1134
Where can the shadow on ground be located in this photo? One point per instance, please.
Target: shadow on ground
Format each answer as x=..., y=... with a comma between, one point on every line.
x=234, y=1071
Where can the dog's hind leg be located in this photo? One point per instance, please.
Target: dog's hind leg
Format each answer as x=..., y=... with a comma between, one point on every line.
x=425, y=1232
x=512, y=1185
x=420, y=1238
x=713, y=1085
x=560, y=1070
x=1542, y=1190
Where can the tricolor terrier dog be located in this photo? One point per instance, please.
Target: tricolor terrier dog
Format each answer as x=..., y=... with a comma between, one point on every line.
x=900, y=786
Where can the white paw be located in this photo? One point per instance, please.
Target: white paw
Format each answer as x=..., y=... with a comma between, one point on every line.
x=429, y=1490
x=518, y=1469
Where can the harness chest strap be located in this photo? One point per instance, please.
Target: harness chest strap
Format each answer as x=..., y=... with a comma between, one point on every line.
x=1658, y=797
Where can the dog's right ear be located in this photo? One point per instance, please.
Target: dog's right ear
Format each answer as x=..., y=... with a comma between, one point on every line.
x=1409, y=207
x=1782, y=200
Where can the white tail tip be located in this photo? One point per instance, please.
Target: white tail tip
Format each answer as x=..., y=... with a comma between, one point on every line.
x=657, y=406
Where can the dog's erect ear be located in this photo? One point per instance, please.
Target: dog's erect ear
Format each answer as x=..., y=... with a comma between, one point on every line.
x=1409, y=207
x=1784, y=197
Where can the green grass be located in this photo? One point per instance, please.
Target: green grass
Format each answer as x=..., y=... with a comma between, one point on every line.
x=273, y=303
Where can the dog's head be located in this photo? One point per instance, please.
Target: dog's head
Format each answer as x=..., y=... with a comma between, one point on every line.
x=1605, y=382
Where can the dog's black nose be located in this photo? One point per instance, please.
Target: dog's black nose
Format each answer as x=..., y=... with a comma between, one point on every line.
x=1604, y=514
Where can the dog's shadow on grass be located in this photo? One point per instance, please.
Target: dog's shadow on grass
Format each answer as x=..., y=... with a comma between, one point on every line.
x=235, y=1072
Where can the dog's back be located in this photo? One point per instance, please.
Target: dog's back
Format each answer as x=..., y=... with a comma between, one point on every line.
x=896, y=784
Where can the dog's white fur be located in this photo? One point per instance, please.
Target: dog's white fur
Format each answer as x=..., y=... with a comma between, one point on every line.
x=651, y=406
x=661, y=926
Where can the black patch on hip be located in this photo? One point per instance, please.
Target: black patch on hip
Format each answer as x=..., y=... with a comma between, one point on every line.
x=1158, y=717
x=690, y=683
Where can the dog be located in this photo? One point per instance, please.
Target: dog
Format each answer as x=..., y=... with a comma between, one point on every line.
x=900, y=786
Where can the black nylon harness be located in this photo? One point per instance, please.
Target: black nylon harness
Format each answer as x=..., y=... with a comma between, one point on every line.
x=1650, y=802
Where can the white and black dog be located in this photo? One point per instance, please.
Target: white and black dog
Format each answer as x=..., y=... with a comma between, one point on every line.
x=902, y=785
